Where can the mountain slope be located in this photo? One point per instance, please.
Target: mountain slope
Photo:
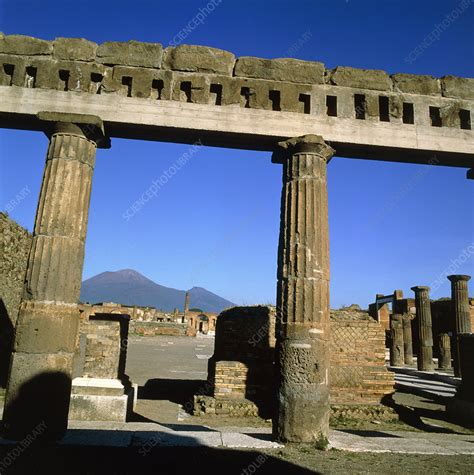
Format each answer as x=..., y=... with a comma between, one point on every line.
x=129, y=287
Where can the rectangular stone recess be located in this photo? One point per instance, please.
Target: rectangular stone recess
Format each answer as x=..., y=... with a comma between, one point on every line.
x=102, y=391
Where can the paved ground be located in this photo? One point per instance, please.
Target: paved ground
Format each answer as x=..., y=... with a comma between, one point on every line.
x=165, y=439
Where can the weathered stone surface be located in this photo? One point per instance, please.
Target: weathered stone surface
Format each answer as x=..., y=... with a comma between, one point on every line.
x=425, y=331
x=20, y=44
x=397, y=357
x=200, y=59
x=416, y=84
x=132, y=53
x=74, y=49
x=39, y=389
x=462, y=314
x=461, y=88
x=39, y=325
x=360, y=78
x=303, y=292
x=281, y=69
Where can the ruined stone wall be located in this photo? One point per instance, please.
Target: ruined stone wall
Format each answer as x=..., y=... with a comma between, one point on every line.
x=206, y=75
x=242, y=365
x=159, y=328
x=358, y=374
x=15, y=243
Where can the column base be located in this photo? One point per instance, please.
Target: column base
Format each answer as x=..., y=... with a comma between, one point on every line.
x=38, y=395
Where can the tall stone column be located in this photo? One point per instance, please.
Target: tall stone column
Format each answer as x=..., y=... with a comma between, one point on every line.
x=462, y=316
x=303, y=292
x=39, y=384
x=397, y=355
x=425, y=332
x=407, y=339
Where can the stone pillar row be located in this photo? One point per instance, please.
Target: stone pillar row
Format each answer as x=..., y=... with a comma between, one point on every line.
x=303, y=292
x=39, y=385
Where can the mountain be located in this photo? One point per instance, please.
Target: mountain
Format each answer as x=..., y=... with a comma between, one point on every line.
x=129, y=287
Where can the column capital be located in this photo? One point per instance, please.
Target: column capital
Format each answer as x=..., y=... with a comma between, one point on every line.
x=91, y=126
x=458, y=277
x=313, y=144
x=420, y=288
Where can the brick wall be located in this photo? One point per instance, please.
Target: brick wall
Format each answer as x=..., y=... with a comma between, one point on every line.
x=358, y=374
x=244, y=335
x=230, y=380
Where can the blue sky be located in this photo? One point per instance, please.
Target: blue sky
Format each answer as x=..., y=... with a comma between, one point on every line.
x=215, y=223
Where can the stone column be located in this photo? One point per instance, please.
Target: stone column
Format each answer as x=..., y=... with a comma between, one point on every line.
x=462, y=316
x=396, y=345
x=423, y=315
x=444, y=360
x=303, y=292
x=407, y=339
x=39, y=384
x=186, y=307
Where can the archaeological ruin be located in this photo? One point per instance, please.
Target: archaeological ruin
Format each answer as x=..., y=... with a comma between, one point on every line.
x=82, y=95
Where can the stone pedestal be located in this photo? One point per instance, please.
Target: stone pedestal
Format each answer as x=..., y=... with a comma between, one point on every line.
x=39, y=383
x=103, y=391
x=423, y=315
x=396, y=345
x=303, y=292
x=462, y=316
x=407, y=338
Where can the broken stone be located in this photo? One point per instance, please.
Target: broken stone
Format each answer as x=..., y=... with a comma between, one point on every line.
x=416, y=84
x=74, y=49
x=200, y=59
x=360, y=78
x=282, y=69
x=20, y=44
x=132, y=53
x=460, y=88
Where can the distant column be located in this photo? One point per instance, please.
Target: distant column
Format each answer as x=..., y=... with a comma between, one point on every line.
x=396, y=346
x=423, y=315
x=407, y=339
x=303, y=292
x=444, y=360
x=39, y=384
x=462, y=315
x=186, y=307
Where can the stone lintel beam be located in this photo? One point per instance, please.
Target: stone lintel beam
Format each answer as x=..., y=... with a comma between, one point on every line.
x=303, y=292
x=91, y=126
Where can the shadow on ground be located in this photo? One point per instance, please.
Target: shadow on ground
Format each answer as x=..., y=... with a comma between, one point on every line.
x=179, y=391
x=143, y=457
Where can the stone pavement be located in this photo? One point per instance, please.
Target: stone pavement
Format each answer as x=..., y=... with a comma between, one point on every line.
x=146, y=436
x=435, y=385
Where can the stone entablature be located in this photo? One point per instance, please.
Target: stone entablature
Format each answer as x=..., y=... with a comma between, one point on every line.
x=204, y=75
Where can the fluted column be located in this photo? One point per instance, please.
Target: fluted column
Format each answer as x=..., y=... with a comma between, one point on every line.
x=407, y=339
x=303, y=292
x=39, y=384
x=397, y=355
x=444, y=360
x=425, y=332
x=462, y=315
